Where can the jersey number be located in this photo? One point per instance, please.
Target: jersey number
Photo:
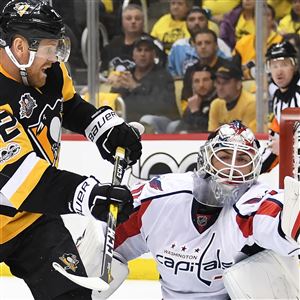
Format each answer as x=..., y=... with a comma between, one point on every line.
x=8, y=130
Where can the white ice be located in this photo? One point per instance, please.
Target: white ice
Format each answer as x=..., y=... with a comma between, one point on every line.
x=14, y=288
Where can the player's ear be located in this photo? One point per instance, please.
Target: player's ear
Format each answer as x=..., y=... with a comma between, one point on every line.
x=19, y=46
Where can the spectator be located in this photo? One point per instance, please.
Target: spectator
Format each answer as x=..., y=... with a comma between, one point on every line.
x=233, y=102
x=147, y=88
x=291, y=22
x=237, y=23
x=206, y=46
x=294, y=39
x=282, y=7
x=117, y=55
x=244, y=51
x=195, y=116
x=281, y=63
x=183, y=53
x=171, y=27
x=219, y=8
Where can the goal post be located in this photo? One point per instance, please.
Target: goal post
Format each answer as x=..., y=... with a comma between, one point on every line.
x=289, y=147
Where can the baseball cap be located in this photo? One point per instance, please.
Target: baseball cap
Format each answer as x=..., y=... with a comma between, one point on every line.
x=229, y=71
x=153, y=43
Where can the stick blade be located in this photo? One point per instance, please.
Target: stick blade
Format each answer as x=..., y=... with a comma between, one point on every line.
x=93, y=283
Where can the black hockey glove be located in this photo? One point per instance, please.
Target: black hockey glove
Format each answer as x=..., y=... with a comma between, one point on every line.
x=92, y=198
x=109, y=131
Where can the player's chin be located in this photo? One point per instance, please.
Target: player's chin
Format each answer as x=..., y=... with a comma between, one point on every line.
x=41, y=80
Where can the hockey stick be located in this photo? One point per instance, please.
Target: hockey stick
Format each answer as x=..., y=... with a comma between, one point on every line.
x=97, y=283
x=119, y=170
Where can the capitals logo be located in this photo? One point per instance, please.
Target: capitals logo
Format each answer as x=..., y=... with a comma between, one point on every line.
x=155, y=183
x=28, y=104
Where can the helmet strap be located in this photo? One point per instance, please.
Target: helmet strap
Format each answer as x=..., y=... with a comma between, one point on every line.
x=23, y=67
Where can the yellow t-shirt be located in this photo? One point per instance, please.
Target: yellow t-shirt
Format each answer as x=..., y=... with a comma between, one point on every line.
x=168, y=30
x=245, y=110
x=281, y=7
x=245, y=47
x=287, y=25
x=244, y=27
x=218, y=7
x=108, y=5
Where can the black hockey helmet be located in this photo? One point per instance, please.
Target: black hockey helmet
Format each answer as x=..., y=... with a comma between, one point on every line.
x=33, y=19
x=284, y=49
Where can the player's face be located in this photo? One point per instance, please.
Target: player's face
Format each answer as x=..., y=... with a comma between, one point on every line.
x=282, y=72
x=225, y=162
x=196, y=21
x=178, y=9
x=206, y=46
x=44, y=58
x=133, y=21
x=143, y=56
x=202, y=83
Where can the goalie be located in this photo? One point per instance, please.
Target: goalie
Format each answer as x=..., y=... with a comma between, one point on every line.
x=199, y=225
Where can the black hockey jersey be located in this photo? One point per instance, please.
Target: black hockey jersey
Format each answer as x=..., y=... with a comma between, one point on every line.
x=30, y=135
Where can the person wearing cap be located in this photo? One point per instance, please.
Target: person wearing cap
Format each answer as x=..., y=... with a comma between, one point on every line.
x=283, y=66
x=148, y=88
x=233, y=102
x=183, y=53
x=205, y=41
x=117, y=55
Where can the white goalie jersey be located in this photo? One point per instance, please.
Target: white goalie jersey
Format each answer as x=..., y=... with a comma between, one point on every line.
x=191, y=264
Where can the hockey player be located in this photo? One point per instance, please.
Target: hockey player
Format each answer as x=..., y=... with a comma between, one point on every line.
x=282, y=64
x=197, y=225
x=37, y=97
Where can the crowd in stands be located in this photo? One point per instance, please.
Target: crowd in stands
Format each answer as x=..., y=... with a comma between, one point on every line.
x=208, y=46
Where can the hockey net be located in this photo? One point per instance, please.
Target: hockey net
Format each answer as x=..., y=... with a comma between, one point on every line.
x=289, y=145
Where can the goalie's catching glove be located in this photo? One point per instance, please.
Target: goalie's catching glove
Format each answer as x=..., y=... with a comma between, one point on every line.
x=109, y=131
x=92, y=198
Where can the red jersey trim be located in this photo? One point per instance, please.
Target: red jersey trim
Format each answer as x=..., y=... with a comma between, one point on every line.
x=132, y=226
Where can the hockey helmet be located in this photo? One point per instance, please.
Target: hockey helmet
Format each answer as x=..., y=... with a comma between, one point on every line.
x=239, y=142
x=33, y=19
x=284, y=49
x=228, y=164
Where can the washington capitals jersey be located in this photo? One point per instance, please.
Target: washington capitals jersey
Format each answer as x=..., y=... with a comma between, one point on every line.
x=30, y=136
x=190, y=263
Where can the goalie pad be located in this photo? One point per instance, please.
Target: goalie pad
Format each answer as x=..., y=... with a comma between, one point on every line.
x=90, y=247
x=290, y=217
x=265, y=275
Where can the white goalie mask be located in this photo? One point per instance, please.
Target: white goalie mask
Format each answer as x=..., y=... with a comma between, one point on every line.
x=231, y=162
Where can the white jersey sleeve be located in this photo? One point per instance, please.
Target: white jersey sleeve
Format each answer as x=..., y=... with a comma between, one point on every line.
x=258, y=218
x=150, y=199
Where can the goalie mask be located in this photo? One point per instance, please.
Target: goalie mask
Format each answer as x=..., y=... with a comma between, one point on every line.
x=229, y=162
x=34, y=20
